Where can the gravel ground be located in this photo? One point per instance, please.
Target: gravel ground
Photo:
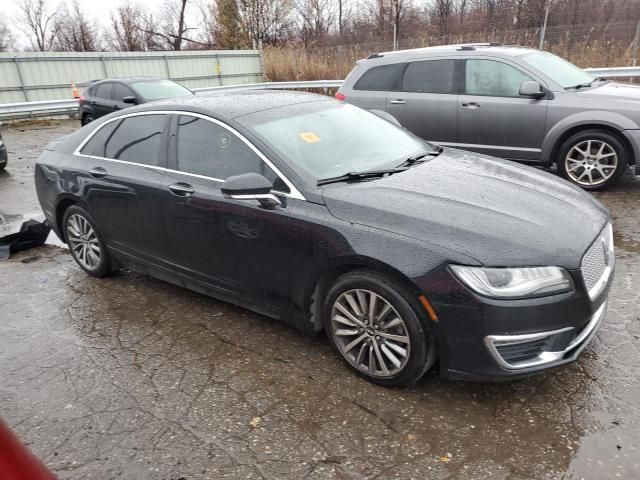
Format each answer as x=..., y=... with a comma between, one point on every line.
x=129, y=377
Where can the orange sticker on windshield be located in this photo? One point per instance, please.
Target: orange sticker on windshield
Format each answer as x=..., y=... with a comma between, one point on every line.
x=310, y=137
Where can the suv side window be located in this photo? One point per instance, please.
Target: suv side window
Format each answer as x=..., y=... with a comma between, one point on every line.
x=430, y=76
x=103, y=90
x=381, y=79
x=120, y=91
x=493, y=78
x=208, y=149
x=135, y=139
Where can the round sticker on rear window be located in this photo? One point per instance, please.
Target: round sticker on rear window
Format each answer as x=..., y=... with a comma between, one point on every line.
x=224, y=140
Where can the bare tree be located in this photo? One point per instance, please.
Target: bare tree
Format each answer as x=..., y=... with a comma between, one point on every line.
x=266, y=21
x=6, y=38
x=75, y=32
x=207, y=12
x=127, y=33
x=39, y=22
x=316, y=17
x=442, y=12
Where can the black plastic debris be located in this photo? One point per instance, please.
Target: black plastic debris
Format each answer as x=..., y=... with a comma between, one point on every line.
x=32, y=234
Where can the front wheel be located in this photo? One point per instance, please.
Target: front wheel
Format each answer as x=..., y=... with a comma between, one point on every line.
x=593, y=159
x=86, y=119
x=85, y=242
x=377, y=328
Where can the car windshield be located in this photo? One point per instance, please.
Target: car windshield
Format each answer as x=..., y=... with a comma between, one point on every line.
x=326, y=139
x=564, y=73
x=160, y=89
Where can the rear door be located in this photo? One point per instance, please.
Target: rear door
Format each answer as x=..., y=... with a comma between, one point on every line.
x=492, y=116
x=123, y=183
x=426, y=100
x=230, y=245
x=102, y=102
x=371, y=89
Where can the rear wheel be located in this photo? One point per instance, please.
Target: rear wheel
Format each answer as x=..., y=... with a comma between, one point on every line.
x=593, y=159
x=85, y=242
x=377, y=328
x=86, y=119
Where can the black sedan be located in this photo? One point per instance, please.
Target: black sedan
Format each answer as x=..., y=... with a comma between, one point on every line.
x=331, y=218
x=107, y=96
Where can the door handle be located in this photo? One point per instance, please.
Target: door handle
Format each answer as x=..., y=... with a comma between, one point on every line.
x=397, y=102
x=97, y=172
x=181, y=189
x=471, y=106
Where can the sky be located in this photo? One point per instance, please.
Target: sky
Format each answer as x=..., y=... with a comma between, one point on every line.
x=98, y=10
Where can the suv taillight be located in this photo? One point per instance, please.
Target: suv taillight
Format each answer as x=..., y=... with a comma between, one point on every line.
x=341, y=96
x=81, y=98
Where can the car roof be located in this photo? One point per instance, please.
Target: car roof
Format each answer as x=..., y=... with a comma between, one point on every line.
x=457, y=49
x=132, y=79
x=233, y=104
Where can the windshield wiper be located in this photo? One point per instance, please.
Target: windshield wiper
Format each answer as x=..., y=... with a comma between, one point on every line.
x=420, y=157
x=351, y=176
x=588, y=84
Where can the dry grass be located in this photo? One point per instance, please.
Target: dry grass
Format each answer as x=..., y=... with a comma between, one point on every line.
x=333, y=63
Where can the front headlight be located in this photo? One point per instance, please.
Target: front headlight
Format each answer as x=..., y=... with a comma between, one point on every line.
x=515, y=282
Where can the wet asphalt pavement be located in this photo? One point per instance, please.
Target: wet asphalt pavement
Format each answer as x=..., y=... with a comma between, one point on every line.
x=129, y=377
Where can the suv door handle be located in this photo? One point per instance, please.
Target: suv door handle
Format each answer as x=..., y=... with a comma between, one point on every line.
x=397, y=102
x=470, y=106
x=97, y=172
x=182, y=189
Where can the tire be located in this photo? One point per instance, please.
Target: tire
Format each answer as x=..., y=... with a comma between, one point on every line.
x=592, y=159
x=85, y=242
x=86, y=119
x=364, y=357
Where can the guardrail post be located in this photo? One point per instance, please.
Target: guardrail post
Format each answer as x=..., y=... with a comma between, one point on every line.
x=21, y=78
x=166, y=65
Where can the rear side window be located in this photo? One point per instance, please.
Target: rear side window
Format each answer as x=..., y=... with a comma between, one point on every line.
x=135, y=139
x=382, y=78
x=431, y=76
x=103, y=90
x=206, y=148
x=493, y=78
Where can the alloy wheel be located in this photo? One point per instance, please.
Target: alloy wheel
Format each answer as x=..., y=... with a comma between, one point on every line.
x=370, y=333
x=591, y=162
x=83, y=242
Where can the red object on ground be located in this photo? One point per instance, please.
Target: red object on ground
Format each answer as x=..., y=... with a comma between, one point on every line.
x=17, y=462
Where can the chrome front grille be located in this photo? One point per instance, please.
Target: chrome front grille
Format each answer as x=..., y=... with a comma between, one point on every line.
x=597, y=263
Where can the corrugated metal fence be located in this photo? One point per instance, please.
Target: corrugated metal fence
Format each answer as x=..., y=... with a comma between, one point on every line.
x=36, y=76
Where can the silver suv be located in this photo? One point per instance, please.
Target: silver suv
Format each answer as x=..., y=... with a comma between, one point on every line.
x=511, y=102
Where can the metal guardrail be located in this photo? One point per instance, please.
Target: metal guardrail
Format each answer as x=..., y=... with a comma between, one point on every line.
x=59, y=107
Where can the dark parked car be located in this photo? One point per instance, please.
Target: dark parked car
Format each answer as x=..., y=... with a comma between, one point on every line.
x=512, y=102
x=325, y=216
x=106, y=96
x=3, y=154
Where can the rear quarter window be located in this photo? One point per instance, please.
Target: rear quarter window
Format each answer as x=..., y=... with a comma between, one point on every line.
x=381, y=78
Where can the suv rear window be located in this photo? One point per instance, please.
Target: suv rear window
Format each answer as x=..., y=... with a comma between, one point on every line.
x=430, y=76
x=382, y=78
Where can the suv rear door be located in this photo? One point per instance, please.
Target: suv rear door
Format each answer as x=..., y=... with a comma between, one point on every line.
x=492, y=116
x=426, y=100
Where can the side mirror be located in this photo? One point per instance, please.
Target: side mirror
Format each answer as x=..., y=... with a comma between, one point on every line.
x=130, y=99
x=531, y=89
x=250, y=186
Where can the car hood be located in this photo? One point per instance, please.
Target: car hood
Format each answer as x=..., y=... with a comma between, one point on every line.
x=497, y=212
x=613, y=91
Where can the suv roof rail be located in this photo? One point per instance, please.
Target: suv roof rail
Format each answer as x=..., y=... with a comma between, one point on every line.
x=374, y=55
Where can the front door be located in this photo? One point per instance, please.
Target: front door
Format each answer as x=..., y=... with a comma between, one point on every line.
x=426, y=103
x=123, y=181
x=231, y=245
x=492, y=116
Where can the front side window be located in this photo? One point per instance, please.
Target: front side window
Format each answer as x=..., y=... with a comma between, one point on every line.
x=565, y=74
x=206, y=148
x=432, y=76
x=493, y=78
x=120, y=91
x=327, y=138
x=135, y=139
x=382, y=78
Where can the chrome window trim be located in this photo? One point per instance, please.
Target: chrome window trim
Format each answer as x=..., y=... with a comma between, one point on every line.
x=295, y=193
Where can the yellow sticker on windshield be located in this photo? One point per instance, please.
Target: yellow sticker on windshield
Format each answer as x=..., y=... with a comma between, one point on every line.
x=310, y=137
